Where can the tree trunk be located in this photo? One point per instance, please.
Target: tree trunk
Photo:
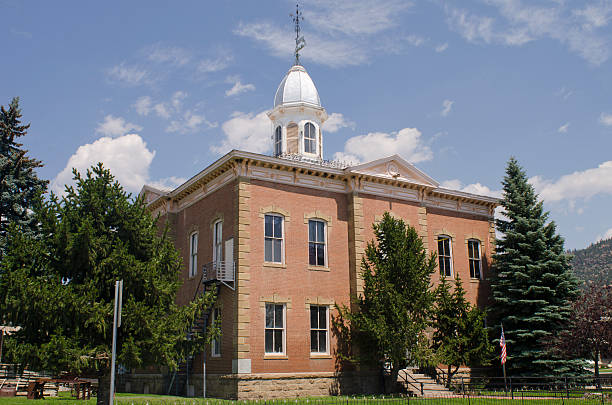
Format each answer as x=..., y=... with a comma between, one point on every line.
x=448, y=376
x=103, y=389
x=597, y=368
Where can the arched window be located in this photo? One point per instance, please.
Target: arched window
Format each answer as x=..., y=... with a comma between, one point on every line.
x=310, y=140
x=278, y=141
x=445, y=258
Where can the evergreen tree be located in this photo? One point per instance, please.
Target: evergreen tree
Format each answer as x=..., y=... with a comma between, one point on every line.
x=60, y=287
x=393, y=312
x=460, y=336
x=20, y=188
x=533, y=286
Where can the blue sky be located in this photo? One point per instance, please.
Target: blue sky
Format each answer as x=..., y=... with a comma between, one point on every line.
x=159, y=90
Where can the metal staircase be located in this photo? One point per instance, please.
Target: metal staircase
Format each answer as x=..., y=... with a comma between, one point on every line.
x=214, y=275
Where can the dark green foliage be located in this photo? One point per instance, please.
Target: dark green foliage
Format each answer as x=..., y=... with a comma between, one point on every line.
x=594, y=263
x=589, y=334
x=533, y=286
x=60, y=287
x=390, y=318
x=20, y=188
x=460, y=336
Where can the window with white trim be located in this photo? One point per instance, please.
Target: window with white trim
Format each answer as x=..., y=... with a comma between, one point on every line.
x=193, y=254
x=215, y=350
x=316, y=242
x=218, y=242
x=319, y=323
x=275, y=329
x=273, y=238
x=474, y=258
x=445, y=258
x=278, y=141
x=310, y=138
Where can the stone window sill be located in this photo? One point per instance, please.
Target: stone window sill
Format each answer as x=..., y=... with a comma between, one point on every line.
x=475, y=280
x=318, y=268
x=320, y=356
x=275, y=357
x=275, y=265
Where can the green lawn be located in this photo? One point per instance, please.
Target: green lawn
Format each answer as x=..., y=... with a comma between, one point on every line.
x=141, y=399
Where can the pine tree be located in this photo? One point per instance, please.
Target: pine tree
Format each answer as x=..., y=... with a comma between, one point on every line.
x=60, y=287
x=20, y=188
x=460, y=337
x=393, y=312
x=533, y=286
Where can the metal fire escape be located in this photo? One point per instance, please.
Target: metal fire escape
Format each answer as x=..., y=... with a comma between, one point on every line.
x=214, y=275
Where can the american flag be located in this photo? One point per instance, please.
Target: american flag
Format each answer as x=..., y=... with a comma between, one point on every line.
x=502, y=344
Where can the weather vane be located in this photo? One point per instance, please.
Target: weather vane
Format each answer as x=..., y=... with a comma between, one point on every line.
x=300, y=42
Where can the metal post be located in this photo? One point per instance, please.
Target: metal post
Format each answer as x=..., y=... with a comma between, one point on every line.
x=204, y=373
x=511, y=389
x=116, y=324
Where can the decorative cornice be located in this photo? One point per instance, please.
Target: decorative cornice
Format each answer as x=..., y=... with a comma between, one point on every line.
x=239, y=164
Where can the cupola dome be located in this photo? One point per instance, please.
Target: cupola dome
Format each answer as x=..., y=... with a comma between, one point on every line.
x=297, y=88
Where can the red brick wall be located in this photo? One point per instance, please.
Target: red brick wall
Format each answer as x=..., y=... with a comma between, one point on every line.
x=295, y=281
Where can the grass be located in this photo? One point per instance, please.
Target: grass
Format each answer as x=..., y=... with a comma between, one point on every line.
x=142, y=399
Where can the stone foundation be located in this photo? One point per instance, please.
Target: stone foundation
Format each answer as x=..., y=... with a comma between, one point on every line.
x=260, y=386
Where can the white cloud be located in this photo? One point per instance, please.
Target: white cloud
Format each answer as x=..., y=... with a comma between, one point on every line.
x=143, y=105
x=182, y=120
x=189, y=122
x=330, y=52
x=563, y=128
x=442, y=47
x=355, y=17
x=606, y=235
x=238, y=87
x=246, y=131
x=217, y=64
x=115, y=126
x=518, y=23
x=336, y=121
x=564, y=93
x=127, y=157
x=168, y=54
x=168, y=183
x=474, y=188
x=447, y=105
x=605, y=119
x=406, y=142
x=129, y=75
x=578, y=185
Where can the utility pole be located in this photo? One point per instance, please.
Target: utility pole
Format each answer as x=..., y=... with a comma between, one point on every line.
x=116, y=324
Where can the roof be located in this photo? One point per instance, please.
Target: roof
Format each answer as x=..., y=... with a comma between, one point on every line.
x=297, y=88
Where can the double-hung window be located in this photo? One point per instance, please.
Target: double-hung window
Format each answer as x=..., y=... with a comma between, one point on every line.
x=275, y=328
x=318, y=329
x=310, y=138
x=218, y=243
x=273, y=238
x=474, y=258
x=193, y=254
x=216, y=342
x=445, y=258
x=316, y=242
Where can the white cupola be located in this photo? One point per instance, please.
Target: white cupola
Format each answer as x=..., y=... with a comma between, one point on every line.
x=297, y=116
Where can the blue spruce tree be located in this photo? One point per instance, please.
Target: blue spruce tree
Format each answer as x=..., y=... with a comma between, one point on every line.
x=533, y=286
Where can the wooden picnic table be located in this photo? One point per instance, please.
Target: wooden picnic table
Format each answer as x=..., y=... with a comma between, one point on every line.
x=81, y=389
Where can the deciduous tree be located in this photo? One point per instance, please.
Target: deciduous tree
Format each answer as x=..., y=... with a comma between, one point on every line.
x=60, y=287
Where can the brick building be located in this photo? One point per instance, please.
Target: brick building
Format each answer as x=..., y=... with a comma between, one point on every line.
x=283, y=235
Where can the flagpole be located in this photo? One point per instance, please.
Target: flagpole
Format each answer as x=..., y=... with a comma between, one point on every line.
x=502, y=344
